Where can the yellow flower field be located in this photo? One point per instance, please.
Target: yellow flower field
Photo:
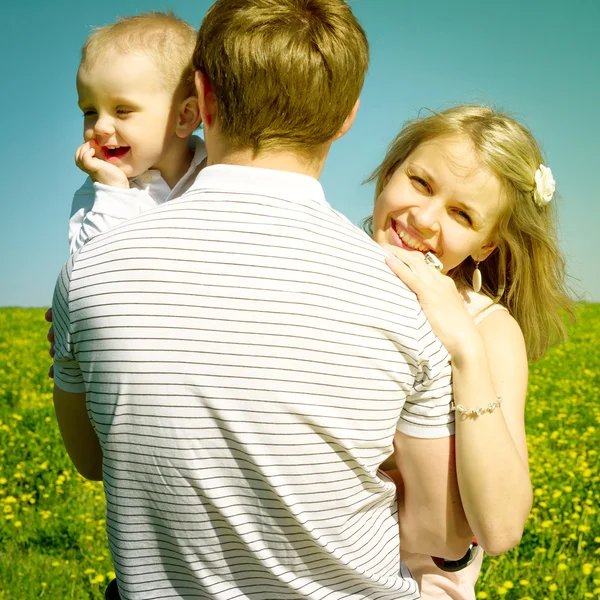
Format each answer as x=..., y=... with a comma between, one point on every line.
x=52, y=539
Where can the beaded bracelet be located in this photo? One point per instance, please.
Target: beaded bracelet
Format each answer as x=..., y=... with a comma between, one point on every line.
x=476, y=412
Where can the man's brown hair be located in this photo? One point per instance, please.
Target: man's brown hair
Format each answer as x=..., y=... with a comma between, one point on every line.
x=285, y=73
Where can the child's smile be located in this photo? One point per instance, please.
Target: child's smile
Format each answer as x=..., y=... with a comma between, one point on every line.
x=127, y=111
x=115, y=151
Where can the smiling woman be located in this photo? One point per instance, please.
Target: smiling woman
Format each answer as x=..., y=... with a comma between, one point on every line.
x=441, y=200
x=464, y=187
x=480, y=152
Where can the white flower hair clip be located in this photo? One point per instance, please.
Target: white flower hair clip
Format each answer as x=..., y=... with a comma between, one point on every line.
x=544, y=186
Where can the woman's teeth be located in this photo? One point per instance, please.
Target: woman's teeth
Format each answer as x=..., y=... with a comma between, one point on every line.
x=410, y=241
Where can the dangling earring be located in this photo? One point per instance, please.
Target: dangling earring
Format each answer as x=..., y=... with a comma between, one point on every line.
x=477, y=278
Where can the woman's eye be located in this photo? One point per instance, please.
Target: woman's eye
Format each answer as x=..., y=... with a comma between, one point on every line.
x=464, y=216
x=420, y=182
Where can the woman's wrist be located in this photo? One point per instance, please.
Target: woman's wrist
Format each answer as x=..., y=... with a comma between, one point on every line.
x=472, y=381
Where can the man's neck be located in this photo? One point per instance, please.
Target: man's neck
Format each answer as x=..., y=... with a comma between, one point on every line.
x=280, y=160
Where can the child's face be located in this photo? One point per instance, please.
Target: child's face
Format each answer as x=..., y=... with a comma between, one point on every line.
x=440, y=199
x=127, y=111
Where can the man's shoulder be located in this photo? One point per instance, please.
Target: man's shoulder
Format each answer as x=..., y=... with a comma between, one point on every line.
x=63, y=282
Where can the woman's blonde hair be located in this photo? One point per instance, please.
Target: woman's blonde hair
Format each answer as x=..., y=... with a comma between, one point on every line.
x=166, y=39
x=526, y=271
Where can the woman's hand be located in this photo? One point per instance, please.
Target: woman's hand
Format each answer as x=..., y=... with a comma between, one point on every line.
x=439, y=299
x=488, y=361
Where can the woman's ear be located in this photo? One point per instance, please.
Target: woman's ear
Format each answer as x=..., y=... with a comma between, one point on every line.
x=484, y=251
x=188, y=117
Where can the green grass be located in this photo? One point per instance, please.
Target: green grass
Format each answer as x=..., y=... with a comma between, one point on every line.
x=52, y=529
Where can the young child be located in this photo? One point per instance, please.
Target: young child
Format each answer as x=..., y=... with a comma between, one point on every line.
x=136, y=90
x=469, y=185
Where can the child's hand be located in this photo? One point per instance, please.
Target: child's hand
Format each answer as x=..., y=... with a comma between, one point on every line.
x=86, y=158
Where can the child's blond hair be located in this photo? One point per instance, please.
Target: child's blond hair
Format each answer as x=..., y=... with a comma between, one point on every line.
x=285, y=73
x=526, y=272
x=166, y=39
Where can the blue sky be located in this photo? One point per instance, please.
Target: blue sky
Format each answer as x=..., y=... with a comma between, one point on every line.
x=538, y=60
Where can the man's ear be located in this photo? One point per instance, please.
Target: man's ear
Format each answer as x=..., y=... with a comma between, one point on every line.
x=348, y=121
x=206, y=99
x=188, y=117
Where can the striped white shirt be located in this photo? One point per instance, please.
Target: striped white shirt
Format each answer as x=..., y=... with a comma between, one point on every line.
x=246, y=357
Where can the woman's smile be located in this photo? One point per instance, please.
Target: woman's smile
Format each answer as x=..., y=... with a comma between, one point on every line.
x=440, y=200
x=408, y=241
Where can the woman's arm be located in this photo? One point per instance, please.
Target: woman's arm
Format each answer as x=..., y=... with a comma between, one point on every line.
x=488, y=362
x=491, y=451
x=430, y=514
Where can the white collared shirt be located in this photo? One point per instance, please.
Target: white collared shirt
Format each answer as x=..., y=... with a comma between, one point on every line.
x=247, y=357
x=97, y=207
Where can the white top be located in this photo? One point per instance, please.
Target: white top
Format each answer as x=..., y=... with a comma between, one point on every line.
x=246, y=356
x=97, y=207
x=479, y=305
